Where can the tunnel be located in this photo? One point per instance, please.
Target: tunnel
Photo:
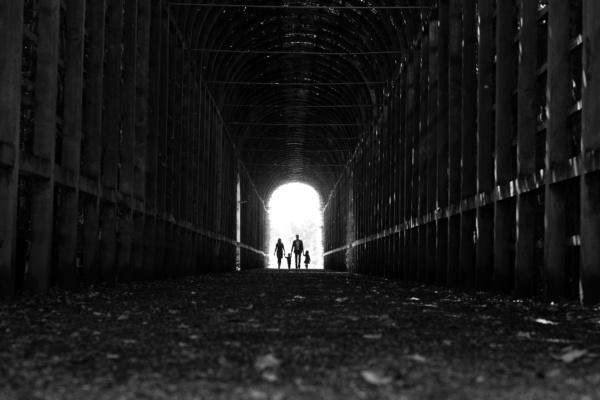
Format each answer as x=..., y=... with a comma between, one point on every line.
x=452, y=143
x=454, y=146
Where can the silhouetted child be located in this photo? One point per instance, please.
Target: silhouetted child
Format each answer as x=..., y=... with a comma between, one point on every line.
x=289, y=260
x=306, y=259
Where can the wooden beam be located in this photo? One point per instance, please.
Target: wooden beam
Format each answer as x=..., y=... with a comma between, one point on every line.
x=503, y=265
x=485, y=140
x=42, y=200
x=139, y=268
x=527, y=124
x=468, y=179
x=431, y=178
x=11, y=44
x=71, y=144
x=442, y=140
x=557, y=148
x=127, y=141
x=455, y=137
x=111, y=127
x=590, y=142
x=92, y=138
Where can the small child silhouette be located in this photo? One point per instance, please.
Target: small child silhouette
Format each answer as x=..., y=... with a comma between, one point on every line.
x=289, y=260
x=306, y=259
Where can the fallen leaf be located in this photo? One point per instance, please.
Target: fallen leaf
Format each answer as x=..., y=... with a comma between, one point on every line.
x=544, y=321
x=525, y=335
x=570, y=355
x=416, y=357
x=372, y=336
x=266, y=361
x=269, y=376
x=376, y=377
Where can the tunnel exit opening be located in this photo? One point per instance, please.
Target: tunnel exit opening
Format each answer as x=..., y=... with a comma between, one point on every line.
x=295, y=209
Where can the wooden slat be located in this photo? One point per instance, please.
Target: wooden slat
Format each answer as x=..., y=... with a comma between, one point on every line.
x=111, y=126
x=92, y=138
x=42, y=200
x=527, y=122
x=557, y=147
x=454, y=138
x=142, y=50
x=408, y=146
x=442, y=141
x=126, y=226
x=71, y=145
x=503, y=167
x=590, y=141
x=161, y=180
x=485, y=141
x=468, y=184
x=11, y=28
x=432, y=114
x=423, y=149
x=153, y=115
x=128, y=97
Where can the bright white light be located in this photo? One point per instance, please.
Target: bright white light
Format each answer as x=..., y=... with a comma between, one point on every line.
x=295, y=209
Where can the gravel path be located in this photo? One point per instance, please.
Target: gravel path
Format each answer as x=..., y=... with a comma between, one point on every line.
x=295, y=335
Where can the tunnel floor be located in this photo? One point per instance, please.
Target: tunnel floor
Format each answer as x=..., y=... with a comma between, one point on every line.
x=295, y=335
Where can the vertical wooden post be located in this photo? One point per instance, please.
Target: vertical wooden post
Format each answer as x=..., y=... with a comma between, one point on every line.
x=455, y=134
x=485, y=141
x=127, y=141
x=175, y=139
x=92, y=138
x=557, y=148
x=11, y=44
x=414, y=149
x=527, y=122
x=42, y=201
x=408, y=146
x=111, y=126
x=468, y=185
x=442, y=142
x=423, y=147
x=128, y=97
x=504, y=88
x=138, y=267
x=71, y=145
x=430, y=262
x=154, y=118
x=161, y=185
x=590, y=149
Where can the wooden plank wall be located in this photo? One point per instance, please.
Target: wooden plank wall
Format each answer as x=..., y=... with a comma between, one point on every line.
x=115, y=165
x=496, y=186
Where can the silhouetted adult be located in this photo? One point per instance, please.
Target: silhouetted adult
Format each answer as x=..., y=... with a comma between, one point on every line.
x=297, y=248
x=279, y=250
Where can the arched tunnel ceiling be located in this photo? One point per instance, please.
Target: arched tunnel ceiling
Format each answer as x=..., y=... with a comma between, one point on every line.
x=298, y=83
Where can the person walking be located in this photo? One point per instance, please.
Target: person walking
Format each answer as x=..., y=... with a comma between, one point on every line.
x=279, y=250
x=297, y=249
x=306, y=259
x=289, y=260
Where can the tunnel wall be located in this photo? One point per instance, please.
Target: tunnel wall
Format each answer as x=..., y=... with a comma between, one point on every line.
x=115, y=165
x=481, y=170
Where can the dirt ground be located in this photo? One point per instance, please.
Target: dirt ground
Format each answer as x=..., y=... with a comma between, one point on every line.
x=295, y=335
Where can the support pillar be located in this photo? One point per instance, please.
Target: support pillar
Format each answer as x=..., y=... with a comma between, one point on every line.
x=590, y=150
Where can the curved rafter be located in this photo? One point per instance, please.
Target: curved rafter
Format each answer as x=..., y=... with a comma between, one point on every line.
x=299, y=83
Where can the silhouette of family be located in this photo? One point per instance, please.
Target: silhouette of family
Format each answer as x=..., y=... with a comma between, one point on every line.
x=297, y=249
